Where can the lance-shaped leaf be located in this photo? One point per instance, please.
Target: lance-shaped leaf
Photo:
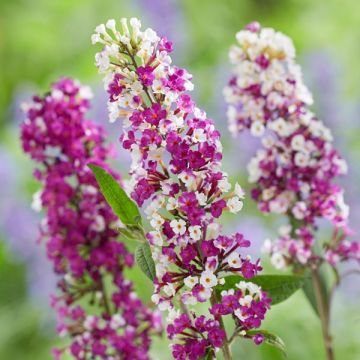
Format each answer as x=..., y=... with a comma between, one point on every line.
x=278, y=287
x=310, y=295
x=145, y=261
x=270, y=339
x=321, y=276
x=323, y=283
x=121, y=204
x=209, y=355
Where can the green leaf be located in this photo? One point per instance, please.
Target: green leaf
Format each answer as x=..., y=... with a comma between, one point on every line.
x=270, y=339
x=310, y=295
x=121, y=204
x=278, y=287
x=309, y=291
x=145, y=261
x=209, y=355
x=323, y=279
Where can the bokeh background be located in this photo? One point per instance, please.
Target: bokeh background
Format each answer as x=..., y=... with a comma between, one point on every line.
x=41, y=40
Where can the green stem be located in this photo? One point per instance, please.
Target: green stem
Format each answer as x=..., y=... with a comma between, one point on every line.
x=104, y=297
x=324, y=313
x=226, y=346
x=184, y=309
x=146, y=90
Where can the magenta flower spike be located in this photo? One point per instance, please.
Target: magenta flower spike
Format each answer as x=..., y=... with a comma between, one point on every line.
x=295, y=169
x=96, y=305
x=176, y=178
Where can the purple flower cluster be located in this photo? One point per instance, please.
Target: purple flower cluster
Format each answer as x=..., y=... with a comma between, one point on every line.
x=294, y=171
x=176, y=175
x=248, y=304
x=96, y=306
x=200, y=334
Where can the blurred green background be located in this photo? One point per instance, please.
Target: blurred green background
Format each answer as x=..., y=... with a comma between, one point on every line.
x=41, y=40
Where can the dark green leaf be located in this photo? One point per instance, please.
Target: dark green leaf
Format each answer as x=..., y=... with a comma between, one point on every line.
x=209, y=355
x=278, y=287
x=310, y=295
x=145, y=261
x=309, y=291
x=270, y=339
x=116, y=197
x=308, y=287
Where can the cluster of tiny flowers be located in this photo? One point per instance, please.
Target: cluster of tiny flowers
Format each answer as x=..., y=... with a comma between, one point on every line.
x=176, y=176
x=294, y=170
x=79, y=231
x=247, y=303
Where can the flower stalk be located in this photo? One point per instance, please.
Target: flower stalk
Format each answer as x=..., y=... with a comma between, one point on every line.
x=226, y=345
x=176, y=176
x=296, y=165
x=95, y=304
